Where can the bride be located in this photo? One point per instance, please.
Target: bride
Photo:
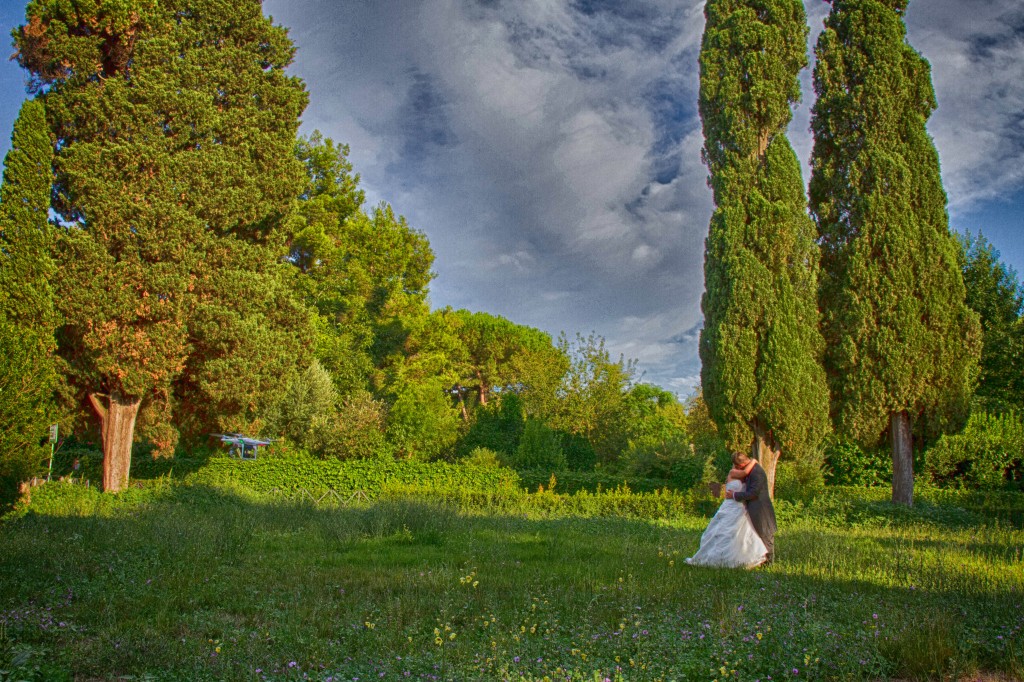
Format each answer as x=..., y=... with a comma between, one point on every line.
x=730, y=540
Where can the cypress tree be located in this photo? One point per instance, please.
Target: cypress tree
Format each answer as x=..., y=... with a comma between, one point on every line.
x=760, y=347
x=175, y=125
x=902, y=346
x=27, y=318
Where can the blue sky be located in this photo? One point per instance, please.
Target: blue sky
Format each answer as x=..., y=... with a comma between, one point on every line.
x=550, y=149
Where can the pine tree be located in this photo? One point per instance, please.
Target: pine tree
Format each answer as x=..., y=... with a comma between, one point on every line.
x=27, y=318
x=760, y=348
x=901, y=345
x=175, y=125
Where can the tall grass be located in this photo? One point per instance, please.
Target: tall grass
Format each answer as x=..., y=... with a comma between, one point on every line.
x=199, y=583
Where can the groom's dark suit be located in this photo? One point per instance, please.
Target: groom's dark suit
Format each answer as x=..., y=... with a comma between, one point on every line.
x=759, y=506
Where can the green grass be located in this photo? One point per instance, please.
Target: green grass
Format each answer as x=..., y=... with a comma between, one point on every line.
x=181, y=582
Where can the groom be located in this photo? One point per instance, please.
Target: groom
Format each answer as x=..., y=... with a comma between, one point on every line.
x=758, y=502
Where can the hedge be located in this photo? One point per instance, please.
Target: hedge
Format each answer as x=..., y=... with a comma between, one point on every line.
x=369, y=475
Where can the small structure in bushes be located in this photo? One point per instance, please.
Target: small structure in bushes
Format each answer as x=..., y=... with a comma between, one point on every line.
x=242, y=447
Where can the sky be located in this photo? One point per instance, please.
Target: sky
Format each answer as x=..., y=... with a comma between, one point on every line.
x=550, y=149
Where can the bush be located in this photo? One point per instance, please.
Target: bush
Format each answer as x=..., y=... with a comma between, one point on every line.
x=539, y=448
x=496, y=426
x=355, y=431
x=422, y=424
x=579, y=453
x=800, y=479
x=482, y=457
x=987, y=454
x=847, y=464
x=309, y=404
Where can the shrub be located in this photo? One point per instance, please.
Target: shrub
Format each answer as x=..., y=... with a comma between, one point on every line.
x=539, y=448
x=355, y=431
x=309, y=404
x=985, y=455
x=847, y=464
x=591, y=481
x=496, y=426
x=422, y=424
x=482, y=457
x=800, y=479
x=579, y=453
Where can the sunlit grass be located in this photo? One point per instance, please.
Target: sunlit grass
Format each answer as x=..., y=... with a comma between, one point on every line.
x=210, y=584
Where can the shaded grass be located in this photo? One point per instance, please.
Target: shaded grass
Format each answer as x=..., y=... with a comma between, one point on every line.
x=201, y=583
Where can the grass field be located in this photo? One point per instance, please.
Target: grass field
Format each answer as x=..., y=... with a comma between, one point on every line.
x=199, y=583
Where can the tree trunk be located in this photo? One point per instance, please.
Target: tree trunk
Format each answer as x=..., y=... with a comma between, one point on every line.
x=117, y=424
x=767, y=453
x=902, y=458
x=483, y=389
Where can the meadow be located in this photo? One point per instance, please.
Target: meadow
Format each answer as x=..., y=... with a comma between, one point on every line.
x=197, y=582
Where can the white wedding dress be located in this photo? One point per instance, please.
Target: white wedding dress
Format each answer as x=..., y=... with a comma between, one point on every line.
x=730, y=540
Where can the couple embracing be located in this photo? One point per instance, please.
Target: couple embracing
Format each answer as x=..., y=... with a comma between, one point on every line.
x=742, y=533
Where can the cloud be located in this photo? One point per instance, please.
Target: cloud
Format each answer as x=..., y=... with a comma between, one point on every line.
x=977, y=58
x=550, y=149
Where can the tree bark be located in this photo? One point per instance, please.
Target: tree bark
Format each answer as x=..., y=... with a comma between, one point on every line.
x=902, y=458
x=765, y=451
x=117, y=425
x=483, y=388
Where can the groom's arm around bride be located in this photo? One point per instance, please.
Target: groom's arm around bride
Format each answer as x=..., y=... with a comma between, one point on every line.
x=758, y=502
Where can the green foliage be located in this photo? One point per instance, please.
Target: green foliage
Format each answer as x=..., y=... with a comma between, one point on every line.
x=539, y=448
x=570, y=482
x=760, y=345
x=703, y=434
x=26, y=405
x=899, y=335
x=26, y=268
x=365, y=273
x=496, y=426
x=579, y=453
x=592, y=397
x=355, y=430
x=422, y=424
x=988, y=453
x=800, y=479
x=846, y=463
x=995, y=294
x=372, y=476
x=495, y=353
x=310, y=399
x=482, y=458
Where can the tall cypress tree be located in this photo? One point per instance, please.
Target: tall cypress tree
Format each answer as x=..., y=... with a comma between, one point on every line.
x=902, y=346
x=175, y=125
x=27, y=318
x=760, y=347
